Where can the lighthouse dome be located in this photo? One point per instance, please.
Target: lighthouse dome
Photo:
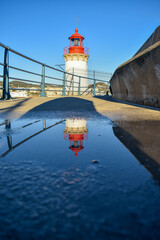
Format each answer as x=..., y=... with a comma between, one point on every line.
x=76, y=35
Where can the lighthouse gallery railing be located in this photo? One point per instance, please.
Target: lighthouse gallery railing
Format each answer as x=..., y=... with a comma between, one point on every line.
x=66, y=50
x=42, y=84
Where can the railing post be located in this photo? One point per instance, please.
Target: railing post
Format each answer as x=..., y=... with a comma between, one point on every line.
x=107, y=88
x=6, y=94
x=42, y=94
x=64, y=86
x=73, y=84
x=44, y=124
x=8, y=133
x=94, y=84
x=79, y=87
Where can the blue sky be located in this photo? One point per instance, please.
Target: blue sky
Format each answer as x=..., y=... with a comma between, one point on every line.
x=113, y=30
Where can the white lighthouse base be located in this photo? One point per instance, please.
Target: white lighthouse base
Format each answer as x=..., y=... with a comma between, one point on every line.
x=75, y=126
x=76, y=64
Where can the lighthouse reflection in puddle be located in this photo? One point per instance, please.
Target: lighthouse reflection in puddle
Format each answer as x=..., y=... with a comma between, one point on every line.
x=75, y=132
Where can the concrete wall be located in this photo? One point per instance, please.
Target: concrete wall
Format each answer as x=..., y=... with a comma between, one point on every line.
x=138, y=80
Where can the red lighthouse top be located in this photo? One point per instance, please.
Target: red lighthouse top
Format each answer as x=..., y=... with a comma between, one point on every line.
x=76, y=44
x=76, y=35
x=76, y=139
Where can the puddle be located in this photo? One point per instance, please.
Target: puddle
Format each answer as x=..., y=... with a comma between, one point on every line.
x=78, y=178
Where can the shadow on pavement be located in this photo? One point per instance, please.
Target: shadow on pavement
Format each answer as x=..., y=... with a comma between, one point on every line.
x=69, y=107
x=7, y=111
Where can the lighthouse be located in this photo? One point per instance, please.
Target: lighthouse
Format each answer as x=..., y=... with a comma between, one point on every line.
x=75, y=132
x=76, y=57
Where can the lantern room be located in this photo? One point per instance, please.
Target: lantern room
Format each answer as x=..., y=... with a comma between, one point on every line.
x=76, y=44
x=76, y=143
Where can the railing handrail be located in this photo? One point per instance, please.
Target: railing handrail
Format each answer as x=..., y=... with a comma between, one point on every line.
x=46, y=65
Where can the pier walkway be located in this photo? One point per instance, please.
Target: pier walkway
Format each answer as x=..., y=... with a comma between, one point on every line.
x=116, y=111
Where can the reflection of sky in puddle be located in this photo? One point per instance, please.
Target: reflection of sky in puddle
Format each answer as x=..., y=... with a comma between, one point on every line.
x=45, y=189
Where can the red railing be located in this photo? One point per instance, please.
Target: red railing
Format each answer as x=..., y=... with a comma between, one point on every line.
x=86, y=50
x=66, y=50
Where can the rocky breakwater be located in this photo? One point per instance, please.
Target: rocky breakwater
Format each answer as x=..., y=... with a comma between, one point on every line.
x=138, y=79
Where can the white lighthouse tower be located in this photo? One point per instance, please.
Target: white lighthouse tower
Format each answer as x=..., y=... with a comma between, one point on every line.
x=76, y=57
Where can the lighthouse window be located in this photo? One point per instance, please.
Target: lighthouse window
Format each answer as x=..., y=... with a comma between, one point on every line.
x=81, y=43
x=76, y=42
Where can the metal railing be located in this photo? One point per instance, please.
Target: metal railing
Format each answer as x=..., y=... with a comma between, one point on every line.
x=8, y=133
x=42, y=87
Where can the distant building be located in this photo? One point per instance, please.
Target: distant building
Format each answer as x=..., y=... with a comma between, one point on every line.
x=19, y=93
